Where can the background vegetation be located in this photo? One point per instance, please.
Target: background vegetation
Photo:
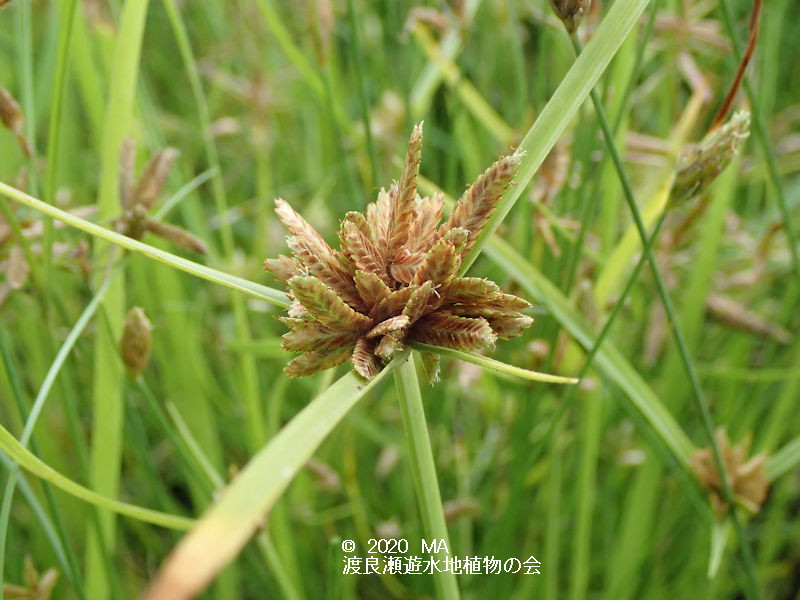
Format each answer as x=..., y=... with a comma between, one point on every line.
x=314, y=102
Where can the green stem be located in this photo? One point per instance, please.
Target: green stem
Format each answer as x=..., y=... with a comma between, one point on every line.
x=423, y=470
x=590, y=203
x=637, y=63
x=255, y=422
x=562, y=106
x=761, y=135
x=270, y=295
x=567, y=402
x=493, y=365
x=55, y=530
x=34, y=465
x=39, y=402
x=108, y=406
x=240, y=511
x=55, y=127
x=194, y=448
x=784, y=460
x=195, y=471
x=204, y=474
x=358, y=59
x=680, y=341
x=52, y=530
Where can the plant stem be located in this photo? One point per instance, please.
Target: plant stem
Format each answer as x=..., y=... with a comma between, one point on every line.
x=56, y=123
x=423, y=470
x=248, y=372
x=484, y=362
x=760, y=130
x=250, y=288
x=683, y=349
x=22, y=457
x=622, y=17
x=363, y=96
x=108, y=407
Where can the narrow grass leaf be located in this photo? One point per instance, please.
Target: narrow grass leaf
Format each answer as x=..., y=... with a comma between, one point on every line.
x=608, y=359
x=262, y=292
x=562, y=106
x=227, y=525
x=784, y=460
x=35, y=466
x=423, y=469
x=491, y=364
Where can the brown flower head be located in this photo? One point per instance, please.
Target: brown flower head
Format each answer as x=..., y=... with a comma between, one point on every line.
x=747, y=477
x=571, y=12
x=11, y=116
x=138, y=196
x=395, y=278
x=700, y=164
x=137, y=339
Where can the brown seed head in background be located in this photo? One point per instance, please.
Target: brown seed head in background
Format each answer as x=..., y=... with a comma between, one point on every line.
x=137, y=339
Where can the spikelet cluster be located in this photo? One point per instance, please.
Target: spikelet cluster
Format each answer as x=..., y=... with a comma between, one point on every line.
x=700, y=164
x=395, y=277
x=748, y=480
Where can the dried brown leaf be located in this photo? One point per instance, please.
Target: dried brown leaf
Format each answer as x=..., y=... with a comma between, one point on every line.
x=11, y=116
x=10, y=112
x=17, y=269
x=5, y=231
x=127, y=173
x=323, y=27
x=736, y=314
x=326, y=477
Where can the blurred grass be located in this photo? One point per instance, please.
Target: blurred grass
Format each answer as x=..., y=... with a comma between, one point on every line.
x=278, y=99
